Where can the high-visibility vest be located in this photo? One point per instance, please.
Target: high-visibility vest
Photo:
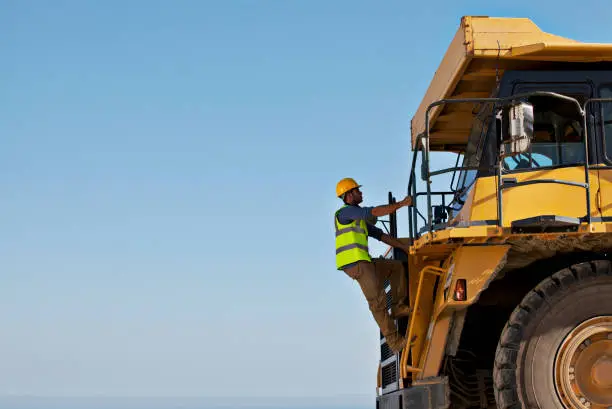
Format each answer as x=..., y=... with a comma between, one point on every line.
x=351, y=242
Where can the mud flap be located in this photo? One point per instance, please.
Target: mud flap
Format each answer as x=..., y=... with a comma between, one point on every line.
x=433, y=393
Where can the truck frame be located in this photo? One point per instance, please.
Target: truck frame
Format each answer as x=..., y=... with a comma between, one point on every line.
x=509, y=269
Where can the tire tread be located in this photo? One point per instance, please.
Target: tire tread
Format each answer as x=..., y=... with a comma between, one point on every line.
x=506, y=356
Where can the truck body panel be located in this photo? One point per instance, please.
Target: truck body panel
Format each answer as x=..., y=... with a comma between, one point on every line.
x=482, y=49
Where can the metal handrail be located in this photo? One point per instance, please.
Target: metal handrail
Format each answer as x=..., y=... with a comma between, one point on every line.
x=586, y=150
x=404, y=368
x=423, y=147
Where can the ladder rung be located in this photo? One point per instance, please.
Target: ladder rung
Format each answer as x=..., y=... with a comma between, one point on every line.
x=412, y=369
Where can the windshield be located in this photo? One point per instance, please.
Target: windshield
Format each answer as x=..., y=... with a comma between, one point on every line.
x=472, y=156
x=465, y=179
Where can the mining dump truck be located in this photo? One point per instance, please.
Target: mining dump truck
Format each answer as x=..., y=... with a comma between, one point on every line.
x=509, y=267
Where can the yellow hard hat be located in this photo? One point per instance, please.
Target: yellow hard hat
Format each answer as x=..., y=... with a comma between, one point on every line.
x=345, y=185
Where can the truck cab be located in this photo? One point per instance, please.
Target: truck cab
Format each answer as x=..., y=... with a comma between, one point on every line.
x=558, y=143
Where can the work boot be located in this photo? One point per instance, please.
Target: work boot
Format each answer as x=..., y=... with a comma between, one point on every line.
x=396, y=343
x=400, y=310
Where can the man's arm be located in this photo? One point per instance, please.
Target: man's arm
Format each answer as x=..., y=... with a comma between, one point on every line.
x=384, y=210
x=370, y=214
x=378, y=234
x=393, y=242
x=375, y=232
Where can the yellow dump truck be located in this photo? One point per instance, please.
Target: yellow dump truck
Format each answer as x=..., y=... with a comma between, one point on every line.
x=509, y=266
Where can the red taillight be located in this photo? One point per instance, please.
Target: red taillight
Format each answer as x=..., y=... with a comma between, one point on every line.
x=460, y=290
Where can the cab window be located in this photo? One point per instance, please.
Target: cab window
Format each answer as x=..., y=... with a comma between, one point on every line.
x=558, y=136
x=606, y=114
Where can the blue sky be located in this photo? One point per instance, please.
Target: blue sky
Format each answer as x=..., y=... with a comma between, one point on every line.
x=167, y=173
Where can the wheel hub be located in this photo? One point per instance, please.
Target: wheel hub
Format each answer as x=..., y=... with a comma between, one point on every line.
x=583, y=367
x=602, y=372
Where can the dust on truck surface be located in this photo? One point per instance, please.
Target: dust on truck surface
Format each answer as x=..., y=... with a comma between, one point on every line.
x=509, y=269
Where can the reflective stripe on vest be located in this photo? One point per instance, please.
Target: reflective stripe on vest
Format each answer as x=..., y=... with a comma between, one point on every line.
x=348, y=229
x=351, y=242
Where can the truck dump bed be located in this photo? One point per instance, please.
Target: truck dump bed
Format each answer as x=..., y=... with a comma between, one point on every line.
x=482, y=49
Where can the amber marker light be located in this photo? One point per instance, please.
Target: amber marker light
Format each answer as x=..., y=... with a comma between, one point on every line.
x=460, y=290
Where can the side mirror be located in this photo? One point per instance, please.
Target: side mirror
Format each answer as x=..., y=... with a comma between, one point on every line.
x=516, y=129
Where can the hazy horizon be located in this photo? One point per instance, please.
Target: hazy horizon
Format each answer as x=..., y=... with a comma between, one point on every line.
x=114, y=402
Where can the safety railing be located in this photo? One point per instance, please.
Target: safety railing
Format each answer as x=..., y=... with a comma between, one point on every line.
x=497, y=168
x=404, y=367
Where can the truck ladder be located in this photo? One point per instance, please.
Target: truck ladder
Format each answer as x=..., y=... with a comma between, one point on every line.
x=404, y=367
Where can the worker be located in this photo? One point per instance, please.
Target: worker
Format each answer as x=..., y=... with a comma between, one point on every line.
x=354, y=224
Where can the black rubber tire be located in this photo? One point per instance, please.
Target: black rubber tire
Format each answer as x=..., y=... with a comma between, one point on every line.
x=531, y=338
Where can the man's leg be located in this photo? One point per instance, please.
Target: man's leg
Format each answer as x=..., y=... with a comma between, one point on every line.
x=400, y=306
x=394, y=272
x=365, y=274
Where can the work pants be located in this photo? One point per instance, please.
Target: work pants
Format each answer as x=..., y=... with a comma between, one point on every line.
x=371, y=278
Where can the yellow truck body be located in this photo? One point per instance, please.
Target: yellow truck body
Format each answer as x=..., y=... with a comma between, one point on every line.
x=509, y=270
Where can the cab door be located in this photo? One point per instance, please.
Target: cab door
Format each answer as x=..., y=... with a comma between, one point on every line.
x=557, y=155
x=601, y=114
